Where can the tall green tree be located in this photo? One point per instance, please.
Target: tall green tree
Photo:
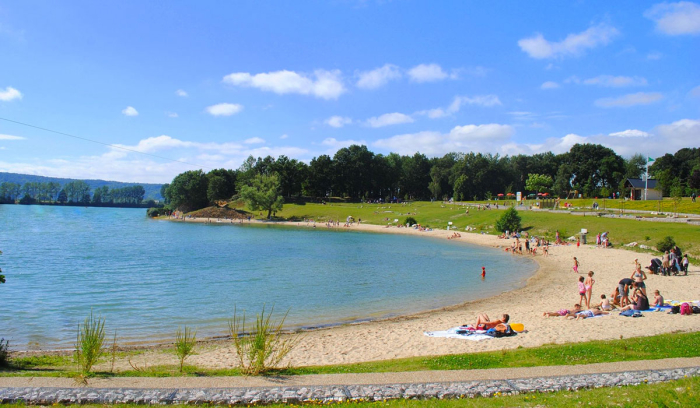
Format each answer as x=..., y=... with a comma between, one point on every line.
x=538, y=182
x=221, y=184
x=263, y=194
x=188, y=191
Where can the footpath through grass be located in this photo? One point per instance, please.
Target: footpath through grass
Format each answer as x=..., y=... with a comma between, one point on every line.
x=671, y=345
x=678, y=393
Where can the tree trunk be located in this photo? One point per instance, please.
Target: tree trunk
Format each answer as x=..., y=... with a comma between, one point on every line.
x=268, y=213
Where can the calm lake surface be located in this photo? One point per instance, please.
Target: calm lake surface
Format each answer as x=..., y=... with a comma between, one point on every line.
x=146, y=276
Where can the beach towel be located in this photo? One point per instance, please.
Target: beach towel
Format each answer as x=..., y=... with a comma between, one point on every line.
x=475, y=335
x=657, y=309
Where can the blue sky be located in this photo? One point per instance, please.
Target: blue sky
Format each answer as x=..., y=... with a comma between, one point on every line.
x=209, y=83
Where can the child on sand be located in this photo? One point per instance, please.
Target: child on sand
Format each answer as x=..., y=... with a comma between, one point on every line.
x=564, y=312
x=589, y=288
x=576, y=264
x=582, y=290
x=585, y=314
x=658, y=299
x=605, y=304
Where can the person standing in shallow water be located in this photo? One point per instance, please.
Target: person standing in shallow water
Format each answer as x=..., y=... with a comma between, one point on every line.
x=483, y=272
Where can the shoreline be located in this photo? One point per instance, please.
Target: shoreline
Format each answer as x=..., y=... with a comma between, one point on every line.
x=551, y=287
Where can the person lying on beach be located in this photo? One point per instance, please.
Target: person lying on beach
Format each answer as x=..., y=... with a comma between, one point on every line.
x=484, y=323
x=564, y=312
x=658, y=299
x=585, y=314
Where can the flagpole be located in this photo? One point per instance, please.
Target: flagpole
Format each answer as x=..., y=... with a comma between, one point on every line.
x=646, y=179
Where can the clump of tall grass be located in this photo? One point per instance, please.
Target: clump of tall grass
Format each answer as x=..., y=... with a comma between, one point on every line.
x=4, y=352
x=262, y=349
x=90, y=342
x=184, y=344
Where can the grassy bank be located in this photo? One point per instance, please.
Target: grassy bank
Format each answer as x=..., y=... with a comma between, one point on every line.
x=437, y=215
x=671, y=345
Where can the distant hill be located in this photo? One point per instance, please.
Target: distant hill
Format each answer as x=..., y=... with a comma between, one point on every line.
x=152, y=190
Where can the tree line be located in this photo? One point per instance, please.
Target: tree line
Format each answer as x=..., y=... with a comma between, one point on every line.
x=75, y=192
x=355, y=172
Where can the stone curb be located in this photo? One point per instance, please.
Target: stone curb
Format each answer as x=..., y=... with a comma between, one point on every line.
x=336, y=393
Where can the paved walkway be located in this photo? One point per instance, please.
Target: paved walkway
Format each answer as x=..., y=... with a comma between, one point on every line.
x=340, y=387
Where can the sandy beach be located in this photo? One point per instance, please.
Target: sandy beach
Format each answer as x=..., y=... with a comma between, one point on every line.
x=554, y=286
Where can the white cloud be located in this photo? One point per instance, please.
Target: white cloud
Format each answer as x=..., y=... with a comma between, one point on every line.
x=427, y=73
x=639, y=98
x=654, y=56
x=615, y=81
x=334, y=144
x=171, y=114
x=460, y=138
x=182, y=93
x=337, y=121
x=685, y=131
x=478, y=100
x=9, y=94
x=284, y=136
x=549, y=85
x=388, y=119
x=574, y=44
x=130, y=111
x=631, y=133
x=323, y=84
x=224, y=109
x=675, y=18
x=10, y=137
x=695, y=91
x=254, y=140
x=378, y=77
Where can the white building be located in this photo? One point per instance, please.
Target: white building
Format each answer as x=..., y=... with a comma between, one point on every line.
x=637, y=186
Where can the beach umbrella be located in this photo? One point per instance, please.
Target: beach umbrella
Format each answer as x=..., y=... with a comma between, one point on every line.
x=510, y=194
x=500, y=194
x=545, y=194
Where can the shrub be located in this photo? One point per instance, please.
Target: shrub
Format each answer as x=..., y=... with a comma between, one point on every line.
x=4, y=352
x=666, y=244
x=410, y=221
x=184, y=344
x=509, y=221
x=91, y=337
x=157, y=211
x=264, y=348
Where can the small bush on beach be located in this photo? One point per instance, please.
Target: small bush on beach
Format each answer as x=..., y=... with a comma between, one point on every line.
x=666, y=244
x=184, y=344
x=263, y=349
x=88, y=349
x=4, y=352
x=509, y=221
x=410, y=221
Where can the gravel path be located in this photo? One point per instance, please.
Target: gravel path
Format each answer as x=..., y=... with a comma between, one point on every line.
x=342, y=387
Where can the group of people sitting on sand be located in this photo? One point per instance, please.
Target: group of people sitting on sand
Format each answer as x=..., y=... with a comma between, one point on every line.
x=620, y=298
x=672, y=262
x=455, y=235
x=528, y=246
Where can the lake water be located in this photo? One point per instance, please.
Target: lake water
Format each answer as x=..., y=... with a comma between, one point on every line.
x=146, y=277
